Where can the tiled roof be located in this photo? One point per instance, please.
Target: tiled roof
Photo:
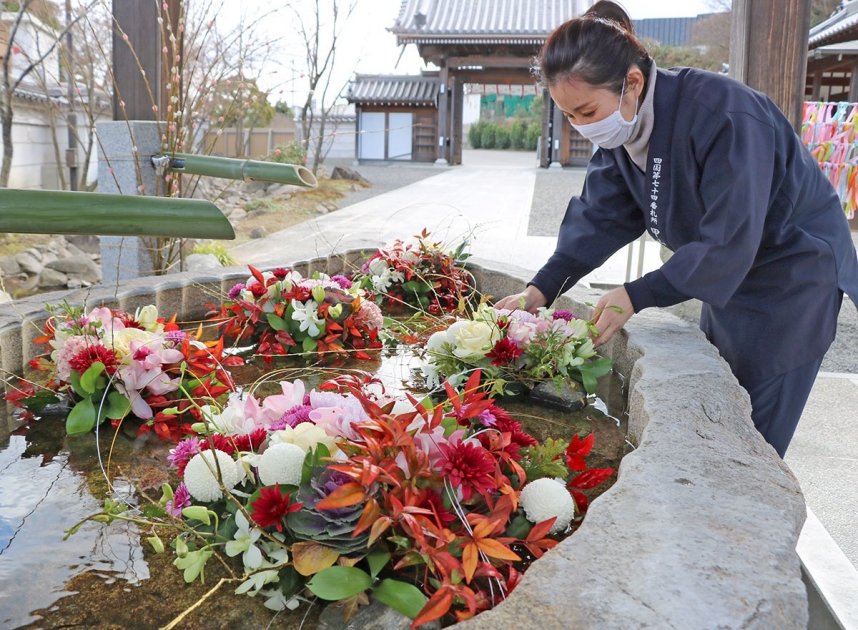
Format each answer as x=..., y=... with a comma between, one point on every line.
x=841, y=26
x=379, y=89
x=668, y=31
x=498, y=21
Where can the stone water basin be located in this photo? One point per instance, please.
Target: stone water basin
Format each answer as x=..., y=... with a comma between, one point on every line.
x=108, y=577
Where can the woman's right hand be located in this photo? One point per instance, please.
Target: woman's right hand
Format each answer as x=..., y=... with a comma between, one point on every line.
x=528, y=300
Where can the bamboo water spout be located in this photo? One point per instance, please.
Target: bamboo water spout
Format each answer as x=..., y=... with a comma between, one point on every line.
x=230, y=168
x=58, y=212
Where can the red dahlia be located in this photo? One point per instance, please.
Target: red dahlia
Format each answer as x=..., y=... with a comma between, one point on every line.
x=271, y=506
x=469, y=466
x=92, y=354
x=504, y=352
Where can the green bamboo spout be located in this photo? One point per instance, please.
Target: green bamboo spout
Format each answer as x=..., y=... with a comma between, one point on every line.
x=55, y=212
x=248, y=170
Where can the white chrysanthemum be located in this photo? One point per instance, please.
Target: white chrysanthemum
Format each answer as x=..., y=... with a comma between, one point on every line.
x=436, y=341
x=281, y=463
x=201, y=475
x=544, y=498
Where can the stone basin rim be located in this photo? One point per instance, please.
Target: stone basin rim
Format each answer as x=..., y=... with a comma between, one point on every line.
x=702, y=523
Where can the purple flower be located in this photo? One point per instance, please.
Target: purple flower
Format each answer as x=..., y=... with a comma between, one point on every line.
x=175, y=336
x=341, y=280
x=292, y=417
x=487, y=418
x=235, y=290
x=564, y=315
x=183, y=452
x=181, y=499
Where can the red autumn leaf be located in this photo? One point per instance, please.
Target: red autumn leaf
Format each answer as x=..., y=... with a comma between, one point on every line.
x=590, y=478
x=344, y=496
x=371, y=512
x=540, y=530
x=378, y=528
x=437, y=606
x=257, y=274
x=577, y=450
x=232, y=361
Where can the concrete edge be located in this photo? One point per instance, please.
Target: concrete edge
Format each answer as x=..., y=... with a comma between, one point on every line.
x=829, y=571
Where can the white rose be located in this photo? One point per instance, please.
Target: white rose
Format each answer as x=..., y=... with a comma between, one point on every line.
x=147, y=317
x=306, y=435
x=436, y=341
x=120, y=341
x=474, y=340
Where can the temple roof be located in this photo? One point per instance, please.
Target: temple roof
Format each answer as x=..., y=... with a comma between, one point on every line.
x=840, y=27
x=387, y=89
x=486, y=21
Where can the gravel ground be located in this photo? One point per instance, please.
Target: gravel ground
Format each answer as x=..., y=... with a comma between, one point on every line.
x=383, y=177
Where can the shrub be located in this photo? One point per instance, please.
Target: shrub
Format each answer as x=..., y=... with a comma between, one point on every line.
x=292, y=153
x=487, y=135
x=531, y=138
x=502, y=138
x=218, y=250
x=474, y=135
x=518, y=133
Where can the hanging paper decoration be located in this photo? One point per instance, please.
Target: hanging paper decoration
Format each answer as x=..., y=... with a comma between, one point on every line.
x=830, y=132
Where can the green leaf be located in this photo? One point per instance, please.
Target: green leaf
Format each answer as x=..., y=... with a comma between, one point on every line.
x=312, y=460
x=277, y=323
x=402, y=597
x=309, y=344
x=38, y=401
x=157, y=544
x=198, y=513
x=118, y=406
x=335, y=583
x=81, y=418
x=74, y=379
x=291, y=582
x=154, y=511
x=377, y=558
x=89, y=378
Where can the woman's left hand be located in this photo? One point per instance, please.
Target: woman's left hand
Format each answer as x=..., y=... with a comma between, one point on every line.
x=612, y=312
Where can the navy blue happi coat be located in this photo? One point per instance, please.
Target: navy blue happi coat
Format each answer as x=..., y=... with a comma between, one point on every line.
x=757, y=231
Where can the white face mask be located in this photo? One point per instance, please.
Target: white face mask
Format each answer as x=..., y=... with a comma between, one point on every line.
x=613, y=130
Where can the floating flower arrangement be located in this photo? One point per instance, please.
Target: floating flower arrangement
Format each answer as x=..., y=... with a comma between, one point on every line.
x=345, y=492
x=109, y=365
x=280, y=313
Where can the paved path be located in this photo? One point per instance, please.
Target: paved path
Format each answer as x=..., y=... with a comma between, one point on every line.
x=492, y=198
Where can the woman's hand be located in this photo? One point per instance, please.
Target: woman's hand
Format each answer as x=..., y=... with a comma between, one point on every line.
x=528, y=300
x=612, y=312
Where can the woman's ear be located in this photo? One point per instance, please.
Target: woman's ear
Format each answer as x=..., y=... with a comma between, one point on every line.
x=635, y=81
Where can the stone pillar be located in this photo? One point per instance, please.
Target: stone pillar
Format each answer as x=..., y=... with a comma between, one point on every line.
x=443, y=116
x=556, y=126
x=124, y=168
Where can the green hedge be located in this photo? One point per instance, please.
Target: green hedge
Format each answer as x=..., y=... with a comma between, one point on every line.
x=520, y=135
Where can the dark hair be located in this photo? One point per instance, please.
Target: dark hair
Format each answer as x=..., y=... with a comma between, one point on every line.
x=598, y=47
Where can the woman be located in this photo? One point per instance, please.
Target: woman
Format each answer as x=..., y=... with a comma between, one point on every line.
x=713, y=171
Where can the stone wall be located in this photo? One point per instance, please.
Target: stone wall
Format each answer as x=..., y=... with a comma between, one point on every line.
x=699, y=530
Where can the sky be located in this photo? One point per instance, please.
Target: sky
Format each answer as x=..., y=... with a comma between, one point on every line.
x=368, y=47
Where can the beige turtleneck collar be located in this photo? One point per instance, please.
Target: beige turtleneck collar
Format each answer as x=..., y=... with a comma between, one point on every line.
x=638, y=145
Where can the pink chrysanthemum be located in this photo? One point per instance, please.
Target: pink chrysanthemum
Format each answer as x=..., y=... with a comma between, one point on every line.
x=235, y=290
x=292, y=417
x=181, y=499
x=182, y=453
